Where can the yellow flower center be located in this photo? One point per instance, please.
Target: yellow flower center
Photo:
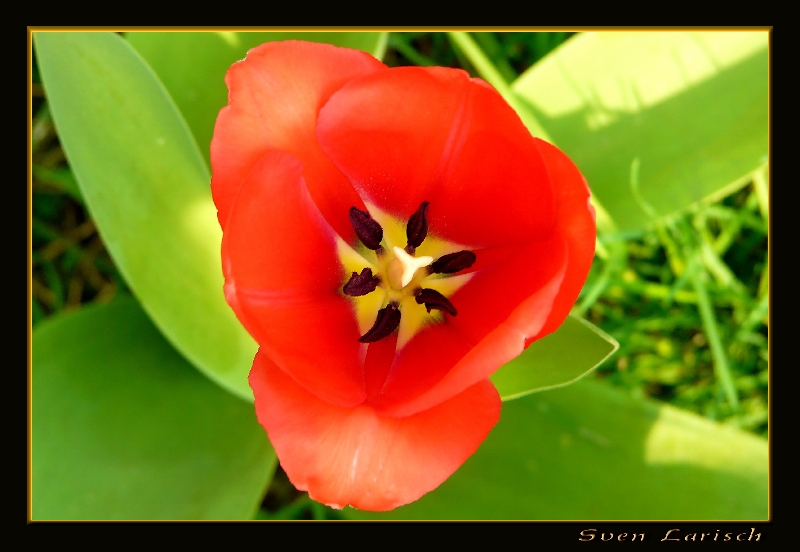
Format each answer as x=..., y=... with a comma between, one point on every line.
x=401, y=275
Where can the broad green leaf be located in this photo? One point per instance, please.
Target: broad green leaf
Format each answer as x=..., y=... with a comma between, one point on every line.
x=572, y=351
x=192, y=66
x=124, y=428
x=587, y=451
x=147, y=188
x=684, y=114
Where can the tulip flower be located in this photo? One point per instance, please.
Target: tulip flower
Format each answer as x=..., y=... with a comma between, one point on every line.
x=391, y=237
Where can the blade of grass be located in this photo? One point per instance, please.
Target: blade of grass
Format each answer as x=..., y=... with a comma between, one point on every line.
x=660, y=291
x=680, y=283
x=721, y=273
x=755, y=317
x=721, y=364
x=398, y=42
x=674, y=259
x=494, y=50
x=729, y=233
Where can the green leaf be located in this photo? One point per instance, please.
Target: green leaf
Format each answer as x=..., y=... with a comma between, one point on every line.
x=192, y=66
x=572, y=351
x=147, y=188
x=124, y=428
x=569, y=353
x=587, y=451
x=685, y=114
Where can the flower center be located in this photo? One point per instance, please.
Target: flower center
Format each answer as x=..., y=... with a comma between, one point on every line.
x=404, y=266
x=390, y=284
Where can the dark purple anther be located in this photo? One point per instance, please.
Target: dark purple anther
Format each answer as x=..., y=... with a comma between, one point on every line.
x=417, y=227
x=367, y=229
x=361, y=284
x=452, y=262
x=434, y=300
x=387, y=322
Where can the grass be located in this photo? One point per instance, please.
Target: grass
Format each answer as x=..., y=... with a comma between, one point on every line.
x=689, y=305
x=688, y=299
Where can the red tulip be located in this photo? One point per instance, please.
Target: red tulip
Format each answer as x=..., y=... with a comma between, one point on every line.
x=391, y=237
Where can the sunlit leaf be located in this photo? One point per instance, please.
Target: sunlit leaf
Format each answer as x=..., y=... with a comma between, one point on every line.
x=192, y=66
x=587, y=451
x=147, y=188
x=124, y=428
x=683, y=114
x=570, y=352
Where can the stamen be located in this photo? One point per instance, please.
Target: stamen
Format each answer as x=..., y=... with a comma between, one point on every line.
x=387, y=322
x=361, y=284
x=410, y=265
x=434, y=300
x=453, y=262
x=367, y=229
x=417, y=228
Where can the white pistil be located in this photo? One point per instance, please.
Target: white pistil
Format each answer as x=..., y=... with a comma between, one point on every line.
x=409, y=264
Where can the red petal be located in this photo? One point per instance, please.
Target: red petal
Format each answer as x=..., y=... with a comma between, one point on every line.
x=575, y=220
x=273, y=100
x=414, y=134
x=354, y=455
x=498, y=309
x=283, y=278
x=378, y=362
x=484, y=336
